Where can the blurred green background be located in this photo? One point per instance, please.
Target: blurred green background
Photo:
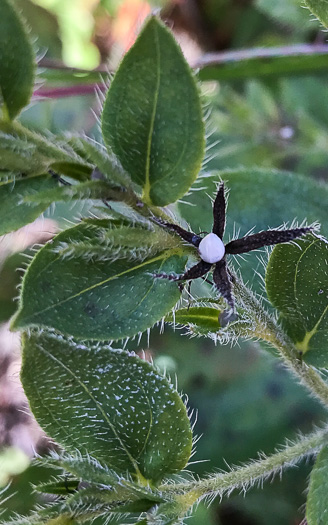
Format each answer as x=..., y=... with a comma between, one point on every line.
x=246, y=402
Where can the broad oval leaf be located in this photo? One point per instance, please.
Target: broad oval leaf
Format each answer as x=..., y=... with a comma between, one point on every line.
x=152, y=118
x=259, y=199
x=316, y=506
x=108, y=296
x=107, y=403
x=16, y=61
x=14, y=211
x=297, y=285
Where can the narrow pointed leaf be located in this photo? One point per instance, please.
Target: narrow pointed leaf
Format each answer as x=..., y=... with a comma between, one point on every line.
x=16, y=61
x=101, y=299
x=95, y=189
x=106, y=403
x=215, y=323
x=152, y=117
x=14, y=211
x=316, y=506
x=95, y=473
x=297, y=285
x=204, y=318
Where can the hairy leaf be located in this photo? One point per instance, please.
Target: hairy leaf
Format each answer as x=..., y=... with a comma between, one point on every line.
x=94, y=189
x=296, y=283
x=16, y=61
x=26, y=152
x=101, y=299
x=204, y=318
x=14, y=211
x=320, y=9
x=215, y=323
x=106, y=164
x=316, y=506
x=106, y=403
x=152, y=117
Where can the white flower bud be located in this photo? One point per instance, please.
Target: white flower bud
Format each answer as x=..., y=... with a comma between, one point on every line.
x=211, y=248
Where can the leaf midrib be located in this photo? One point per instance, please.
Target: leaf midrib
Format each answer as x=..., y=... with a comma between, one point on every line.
x=163, y=256
x=146, y=189
x=97, y=404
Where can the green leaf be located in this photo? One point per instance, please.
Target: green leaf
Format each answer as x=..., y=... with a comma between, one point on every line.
x=59, y=487
x=214, y=322
x=14, y=211
x=27, y=152
x=262, y=62
x=273, y=198
x=10, y=279
x=102, y=299
x=258, y=198
x=106, y=403
x=320, y=9
x=316, y=506
x=152, y=118
x=107, y=164
x=16, y=61
x=296, y=283
x=202, y=318
x=21, y=156
x=94, y=189
x=91, y=471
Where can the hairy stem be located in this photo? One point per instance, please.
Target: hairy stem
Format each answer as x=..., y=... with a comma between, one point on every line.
x=268, y=330
x=242, y=477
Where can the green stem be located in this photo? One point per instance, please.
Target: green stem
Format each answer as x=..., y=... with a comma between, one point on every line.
x=268, y=330
x=242, y=477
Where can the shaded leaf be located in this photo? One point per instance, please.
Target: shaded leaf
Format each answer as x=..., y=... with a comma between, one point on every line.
x=21, y=156
x=14, y=211
x=137, y=421
x=152, y=118
x=263, y=62
x=316, y=506
x=259, y=199
x=26, y=152
x=10, y=279
x=16, y=61
x=59, y=487
x=102, y=299
x=94, y=189
x=296, y=283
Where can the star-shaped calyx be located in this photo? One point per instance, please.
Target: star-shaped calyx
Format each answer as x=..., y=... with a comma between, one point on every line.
x=212, y=251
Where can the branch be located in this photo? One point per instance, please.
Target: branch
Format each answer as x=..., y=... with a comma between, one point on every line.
x=245, y=476
x=268, y=330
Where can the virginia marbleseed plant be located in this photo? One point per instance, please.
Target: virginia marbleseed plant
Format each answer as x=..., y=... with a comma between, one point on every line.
x=123, y=429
